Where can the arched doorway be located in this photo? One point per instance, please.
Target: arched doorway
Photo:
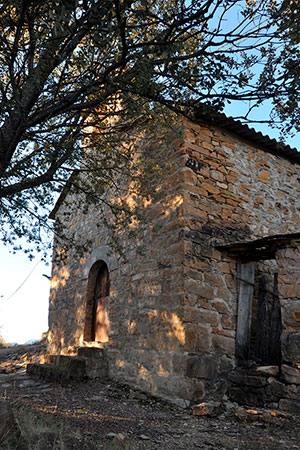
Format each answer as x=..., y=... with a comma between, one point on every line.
x=97, y=311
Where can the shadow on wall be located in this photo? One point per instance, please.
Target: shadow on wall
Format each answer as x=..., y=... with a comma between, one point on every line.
x=158, y=313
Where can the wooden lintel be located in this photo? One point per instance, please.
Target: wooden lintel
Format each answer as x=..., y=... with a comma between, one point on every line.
x=249, y=254
x=258, y=249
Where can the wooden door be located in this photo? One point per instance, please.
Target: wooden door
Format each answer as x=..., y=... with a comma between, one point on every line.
x=258, y=339
x=101, y=306
x=268, y=324
x=245, y=298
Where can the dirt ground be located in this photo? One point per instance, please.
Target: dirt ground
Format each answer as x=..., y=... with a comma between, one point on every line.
x=106, y=415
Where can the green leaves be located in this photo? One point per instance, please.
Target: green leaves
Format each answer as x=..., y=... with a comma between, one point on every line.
x=102, y=66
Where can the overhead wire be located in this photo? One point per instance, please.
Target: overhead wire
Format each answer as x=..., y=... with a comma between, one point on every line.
x=24, y=281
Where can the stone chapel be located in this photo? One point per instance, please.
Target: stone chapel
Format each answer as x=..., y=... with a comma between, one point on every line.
x=211, y=308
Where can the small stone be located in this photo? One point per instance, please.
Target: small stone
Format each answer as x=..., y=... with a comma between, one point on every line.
x=290, y=374
x=144, y=437
x=276, y=390
x=259, y=416
x=120, y=437
x=267, y=370
x=110, y=435
x=209, y=409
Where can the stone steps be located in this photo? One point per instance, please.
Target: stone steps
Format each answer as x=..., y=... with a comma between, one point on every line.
x=89, y=363
x=95, y=360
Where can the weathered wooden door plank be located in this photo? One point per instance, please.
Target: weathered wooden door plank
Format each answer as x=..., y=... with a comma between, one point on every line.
x=245, y=273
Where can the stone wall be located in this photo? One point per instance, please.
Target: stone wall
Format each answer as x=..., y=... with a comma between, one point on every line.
x=288, y=261
x=235, y=192
x=241, y=189
x=147, y=289
x=173, y=298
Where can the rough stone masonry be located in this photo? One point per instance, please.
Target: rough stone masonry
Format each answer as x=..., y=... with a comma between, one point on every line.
x=170, y=313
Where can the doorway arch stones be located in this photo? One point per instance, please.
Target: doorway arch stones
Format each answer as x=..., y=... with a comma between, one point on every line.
x=104, y=253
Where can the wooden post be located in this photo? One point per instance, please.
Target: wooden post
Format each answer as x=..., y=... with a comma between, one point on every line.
x=245, y=280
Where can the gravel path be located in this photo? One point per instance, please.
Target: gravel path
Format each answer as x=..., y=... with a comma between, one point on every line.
x=107, y=415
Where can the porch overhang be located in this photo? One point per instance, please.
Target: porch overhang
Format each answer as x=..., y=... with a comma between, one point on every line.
x=258, y=249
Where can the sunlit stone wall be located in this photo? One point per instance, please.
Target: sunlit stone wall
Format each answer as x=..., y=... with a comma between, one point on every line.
x=173, y=298
x=237, y=193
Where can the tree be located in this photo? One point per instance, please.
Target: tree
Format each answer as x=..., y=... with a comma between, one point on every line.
x=282, y=66
x=76, y=74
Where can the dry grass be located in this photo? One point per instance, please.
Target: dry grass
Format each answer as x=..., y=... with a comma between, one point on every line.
x=43, y=432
